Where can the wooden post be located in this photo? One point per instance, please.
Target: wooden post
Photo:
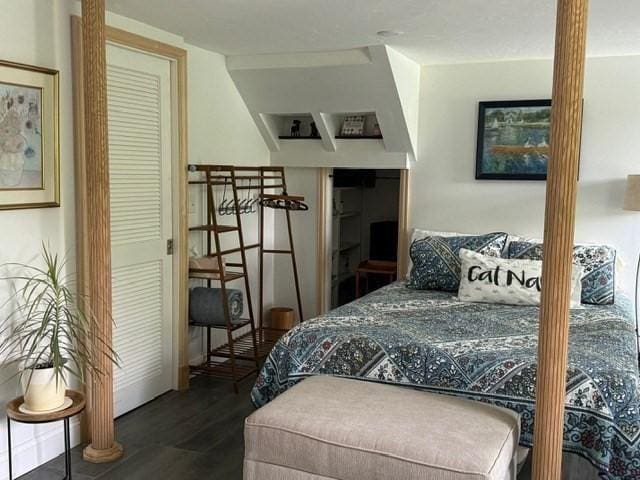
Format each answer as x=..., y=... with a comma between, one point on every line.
x=103, y=448
x=566, y=121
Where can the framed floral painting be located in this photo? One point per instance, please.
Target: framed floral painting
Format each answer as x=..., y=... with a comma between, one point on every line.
x=29, y=137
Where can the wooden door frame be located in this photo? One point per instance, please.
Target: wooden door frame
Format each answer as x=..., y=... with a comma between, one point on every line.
x=178, y=59
x=324, y=217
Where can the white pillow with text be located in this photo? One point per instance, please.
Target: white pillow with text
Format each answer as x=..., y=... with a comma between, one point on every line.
x=507, y=281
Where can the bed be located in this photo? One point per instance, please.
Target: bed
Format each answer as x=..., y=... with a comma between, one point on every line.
x=432, y=341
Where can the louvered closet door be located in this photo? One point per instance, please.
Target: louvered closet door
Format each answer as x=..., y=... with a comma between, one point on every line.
x=139, y=101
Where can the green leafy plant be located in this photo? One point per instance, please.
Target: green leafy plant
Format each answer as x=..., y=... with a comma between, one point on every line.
x=48, y=326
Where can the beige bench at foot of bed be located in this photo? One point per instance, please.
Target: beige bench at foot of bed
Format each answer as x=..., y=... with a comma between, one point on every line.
x=328, y=428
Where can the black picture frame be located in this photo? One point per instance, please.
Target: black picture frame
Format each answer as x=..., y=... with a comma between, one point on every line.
x=538, y=150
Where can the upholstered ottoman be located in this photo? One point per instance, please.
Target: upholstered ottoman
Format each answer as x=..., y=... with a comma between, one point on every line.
x=333, y=428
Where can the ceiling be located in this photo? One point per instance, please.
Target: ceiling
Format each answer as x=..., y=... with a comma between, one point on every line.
x=435, y=31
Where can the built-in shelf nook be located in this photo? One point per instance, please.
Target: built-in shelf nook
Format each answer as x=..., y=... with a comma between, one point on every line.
x=302, y=102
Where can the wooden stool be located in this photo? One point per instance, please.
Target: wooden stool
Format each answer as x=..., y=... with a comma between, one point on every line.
x=14, y=413
x=375, y=267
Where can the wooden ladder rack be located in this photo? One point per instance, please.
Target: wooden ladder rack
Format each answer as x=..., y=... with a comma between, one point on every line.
x=277, y=174
x=240, y=354
x=256, y=344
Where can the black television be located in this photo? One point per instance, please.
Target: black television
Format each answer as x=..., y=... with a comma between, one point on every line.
x=383, y=241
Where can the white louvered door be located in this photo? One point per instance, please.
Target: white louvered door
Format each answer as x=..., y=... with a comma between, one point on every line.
x=139, y=108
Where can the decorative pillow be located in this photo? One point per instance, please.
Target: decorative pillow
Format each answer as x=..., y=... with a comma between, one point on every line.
x=598, y=264
x=419, y=233
x=436, y=260
x=507, y=281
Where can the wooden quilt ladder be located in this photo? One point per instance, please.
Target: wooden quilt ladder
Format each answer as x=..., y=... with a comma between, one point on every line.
x=225, y=361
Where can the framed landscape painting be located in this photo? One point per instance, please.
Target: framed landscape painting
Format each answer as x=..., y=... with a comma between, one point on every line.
x=29, y=143
x=513, y=140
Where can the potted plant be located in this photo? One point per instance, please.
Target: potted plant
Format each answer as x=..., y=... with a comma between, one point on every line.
x=49, y=334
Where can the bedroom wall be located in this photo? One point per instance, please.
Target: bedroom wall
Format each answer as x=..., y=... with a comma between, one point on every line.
x=221, y=131
x=38, y=32
x=300, y=181
x=445, y=195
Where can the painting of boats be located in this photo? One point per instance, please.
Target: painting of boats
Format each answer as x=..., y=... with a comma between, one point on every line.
x=513, y=140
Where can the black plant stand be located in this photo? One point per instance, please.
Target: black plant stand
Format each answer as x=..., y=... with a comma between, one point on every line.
x=13, y=413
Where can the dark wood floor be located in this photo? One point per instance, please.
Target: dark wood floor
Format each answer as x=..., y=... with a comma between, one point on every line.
x=179, y=436
x=187, y=435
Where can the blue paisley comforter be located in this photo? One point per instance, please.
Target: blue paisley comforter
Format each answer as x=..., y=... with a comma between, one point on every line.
x=432, y=341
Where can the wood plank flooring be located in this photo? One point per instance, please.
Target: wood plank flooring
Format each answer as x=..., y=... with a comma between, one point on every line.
x=195, y=434
x=187, y=435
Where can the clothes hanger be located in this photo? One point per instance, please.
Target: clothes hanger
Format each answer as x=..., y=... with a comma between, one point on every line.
x=245, y=205
x=284, y=202
x=222, y=206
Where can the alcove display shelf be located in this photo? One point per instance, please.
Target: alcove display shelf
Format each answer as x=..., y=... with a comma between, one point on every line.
x=296, y=127
x=375, y=87
x=357, y=125
x=240, y=356
x=359, y=137
x=361, y=144
x=289, y=137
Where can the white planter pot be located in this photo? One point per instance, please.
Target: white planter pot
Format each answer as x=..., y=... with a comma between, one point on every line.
x=42, y=392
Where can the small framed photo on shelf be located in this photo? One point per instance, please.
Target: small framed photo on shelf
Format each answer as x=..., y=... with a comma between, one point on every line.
x=353, y=126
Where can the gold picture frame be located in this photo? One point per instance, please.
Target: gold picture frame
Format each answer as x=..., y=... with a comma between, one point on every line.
x=29, y=136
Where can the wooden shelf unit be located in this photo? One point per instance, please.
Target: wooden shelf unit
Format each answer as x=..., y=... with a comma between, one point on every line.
x=244, y=350
x=216, y=228
x=233, y=367
x=242, y=346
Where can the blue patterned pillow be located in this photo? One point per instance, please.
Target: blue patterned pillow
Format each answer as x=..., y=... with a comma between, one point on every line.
x=598, y=263
x=436, y=260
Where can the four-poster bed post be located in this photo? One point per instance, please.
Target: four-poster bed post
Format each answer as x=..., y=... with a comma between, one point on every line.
x=103, y=447
x=566, y=120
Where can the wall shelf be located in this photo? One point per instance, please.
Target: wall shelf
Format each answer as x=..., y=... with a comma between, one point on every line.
x=372, y=149
x=375, y=82
x=346, y=246
x=306, y=137
x=359, y=137
x=348, y=214
x=336, y=280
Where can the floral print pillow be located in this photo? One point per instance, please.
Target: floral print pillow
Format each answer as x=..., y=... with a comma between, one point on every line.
x=436, y=260
x=598, y=263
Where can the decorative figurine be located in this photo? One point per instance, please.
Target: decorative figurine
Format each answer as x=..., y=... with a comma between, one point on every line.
x=295, y=128
x=314, y=130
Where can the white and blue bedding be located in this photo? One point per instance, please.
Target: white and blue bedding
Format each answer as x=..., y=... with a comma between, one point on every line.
x=430, y=340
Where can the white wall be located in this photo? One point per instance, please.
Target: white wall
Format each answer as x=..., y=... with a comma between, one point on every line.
x=445, y=195
x=221, y=131
x=300, y=181
x=37, y=32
